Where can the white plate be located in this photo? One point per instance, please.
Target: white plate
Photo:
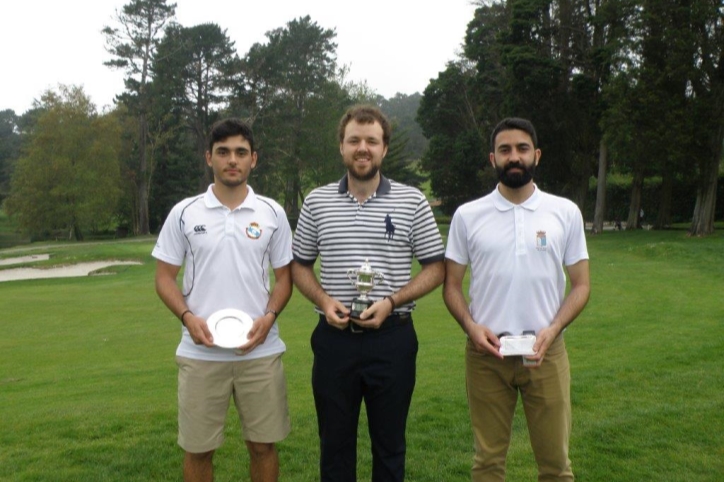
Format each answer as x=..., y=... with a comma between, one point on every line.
x=517, y=345
x=229, y=327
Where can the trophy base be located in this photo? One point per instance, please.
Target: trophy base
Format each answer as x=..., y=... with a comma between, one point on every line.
x=358, y=306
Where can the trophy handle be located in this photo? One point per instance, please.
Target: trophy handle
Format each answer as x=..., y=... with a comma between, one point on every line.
x=352, y=272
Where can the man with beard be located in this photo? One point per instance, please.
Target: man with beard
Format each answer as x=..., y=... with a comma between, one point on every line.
x=517, y=241
x=229, y=238
x=365, y=217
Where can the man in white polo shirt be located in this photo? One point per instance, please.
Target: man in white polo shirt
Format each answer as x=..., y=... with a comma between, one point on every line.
x=517, y=241
x=228, y=238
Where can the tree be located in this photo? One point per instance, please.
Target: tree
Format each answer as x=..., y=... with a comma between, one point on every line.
x=133, y=44
x=289, y=87
x=456, y=157
x=610, y=21
x=194, y=70
x=9, y=148
x=707, y=90
x=398, y=164
x=77, y=187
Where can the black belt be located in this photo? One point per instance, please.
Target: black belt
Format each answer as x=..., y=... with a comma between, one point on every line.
x=395, y=319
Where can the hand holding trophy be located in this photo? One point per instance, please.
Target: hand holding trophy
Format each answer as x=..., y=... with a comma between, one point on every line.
x=364, y=279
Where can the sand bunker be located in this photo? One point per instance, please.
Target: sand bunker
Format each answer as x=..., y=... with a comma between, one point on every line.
x=24, y=259
x=80, y=269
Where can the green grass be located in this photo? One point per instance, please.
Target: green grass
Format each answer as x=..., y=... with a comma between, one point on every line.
x=88, y=379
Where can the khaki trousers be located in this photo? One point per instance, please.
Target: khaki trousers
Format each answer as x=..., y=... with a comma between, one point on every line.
x=493, y=386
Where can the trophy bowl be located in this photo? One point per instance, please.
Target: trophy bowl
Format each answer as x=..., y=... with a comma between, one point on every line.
x=364, y=279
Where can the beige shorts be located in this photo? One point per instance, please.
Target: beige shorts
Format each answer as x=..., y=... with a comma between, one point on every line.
x=205, y=387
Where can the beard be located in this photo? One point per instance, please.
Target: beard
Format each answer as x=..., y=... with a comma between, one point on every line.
x=364, y=176
x=514, y=180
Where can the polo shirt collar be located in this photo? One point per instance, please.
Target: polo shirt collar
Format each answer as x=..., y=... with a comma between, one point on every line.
x=531, y=204
x=383, y=188
x=212, y=201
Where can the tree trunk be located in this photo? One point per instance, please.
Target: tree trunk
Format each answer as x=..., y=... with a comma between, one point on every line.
x=663, y=218
x=636, y=187
x=600, y=212
x=206, y=174
x=143, y=217
x=702, y=222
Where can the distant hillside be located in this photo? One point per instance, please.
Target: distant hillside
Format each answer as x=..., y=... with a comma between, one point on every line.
x=402, y=109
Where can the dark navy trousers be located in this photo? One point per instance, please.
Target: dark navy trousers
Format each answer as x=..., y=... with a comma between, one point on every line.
x=375, y=366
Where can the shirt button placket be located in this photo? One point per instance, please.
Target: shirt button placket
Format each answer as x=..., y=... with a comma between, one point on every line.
x=519, y=231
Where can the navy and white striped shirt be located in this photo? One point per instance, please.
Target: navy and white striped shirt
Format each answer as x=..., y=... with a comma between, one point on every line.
x=388, y=229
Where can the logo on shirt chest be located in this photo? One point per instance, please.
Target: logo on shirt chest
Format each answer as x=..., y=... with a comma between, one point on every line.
x=200, y=229
x=541, y=242
x=253, y=231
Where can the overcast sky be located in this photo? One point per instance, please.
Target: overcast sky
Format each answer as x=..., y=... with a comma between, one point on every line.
x=395, y=45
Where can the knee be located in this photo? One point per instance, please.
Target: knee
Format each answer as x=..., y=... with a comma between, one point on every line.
x=260, y=450
x=199, y=458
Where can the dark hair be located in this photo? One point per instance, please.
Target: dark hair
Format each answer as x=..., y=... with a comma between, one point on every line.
x=366, y=114
x=514, y=123
x=232, y=127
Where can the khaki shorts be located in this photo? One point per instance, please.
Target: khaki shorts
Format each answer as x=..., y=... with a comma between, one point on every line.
x=258, y=387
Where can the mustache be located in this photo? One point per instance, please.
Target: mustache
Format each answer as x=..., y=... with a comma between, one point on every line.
x=515, y=165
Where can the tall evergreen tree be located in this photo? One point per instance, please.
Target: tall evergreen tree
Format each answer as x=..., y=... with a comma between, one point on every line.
x=194, y=71
x=285, y=82
x=132, y=43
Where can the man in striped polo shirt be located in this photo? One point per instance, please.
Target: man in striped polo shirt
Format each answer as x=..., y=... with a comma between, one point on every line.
x=365, y=217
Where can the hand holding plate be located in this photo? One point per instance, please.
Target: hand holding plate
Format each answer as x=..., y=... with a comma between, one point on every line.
x=199, y=330
x=258, y=333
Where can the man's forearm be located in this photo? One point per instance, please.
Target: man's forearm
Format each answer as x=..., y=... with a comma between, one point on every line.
x=282, y=290
x=430, y=277
x=306, y=282
x=572, y=306
x=457, y=305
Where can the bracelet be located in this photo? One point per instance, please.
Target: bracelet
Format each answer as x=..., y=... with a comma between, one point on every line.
x=182, y=316
x=392, y=302
x=273, y=312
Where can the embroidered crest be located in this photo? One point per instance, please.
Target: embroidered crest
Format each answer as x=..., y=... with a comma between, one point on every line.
x=541, y=242
x=253, y=231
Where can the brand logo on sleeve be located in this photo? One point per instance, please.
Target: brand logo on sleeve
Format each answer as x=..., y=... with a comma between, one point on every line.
x=253, y=231
x=541, y=242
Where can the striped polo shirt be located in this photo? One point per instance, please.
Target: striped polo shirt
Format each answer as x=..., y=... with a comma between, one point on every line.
x=388, y=229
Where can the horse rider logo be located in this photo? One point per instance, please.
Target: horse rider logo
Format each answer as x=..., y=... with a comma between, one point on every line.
x=389, y=228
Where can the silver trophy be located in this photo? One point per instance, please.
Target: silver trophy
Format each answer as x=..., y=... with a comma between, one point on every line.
x=364, y=279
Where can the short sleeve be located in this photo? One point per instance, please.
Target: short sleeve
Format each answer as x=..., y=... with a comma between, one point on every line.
x=304, y=245
x=457, y=245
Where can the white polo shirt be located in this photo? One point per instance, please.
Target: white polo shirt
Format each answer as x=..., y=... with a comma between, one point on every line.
x=226, y=256
x=516, y=254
